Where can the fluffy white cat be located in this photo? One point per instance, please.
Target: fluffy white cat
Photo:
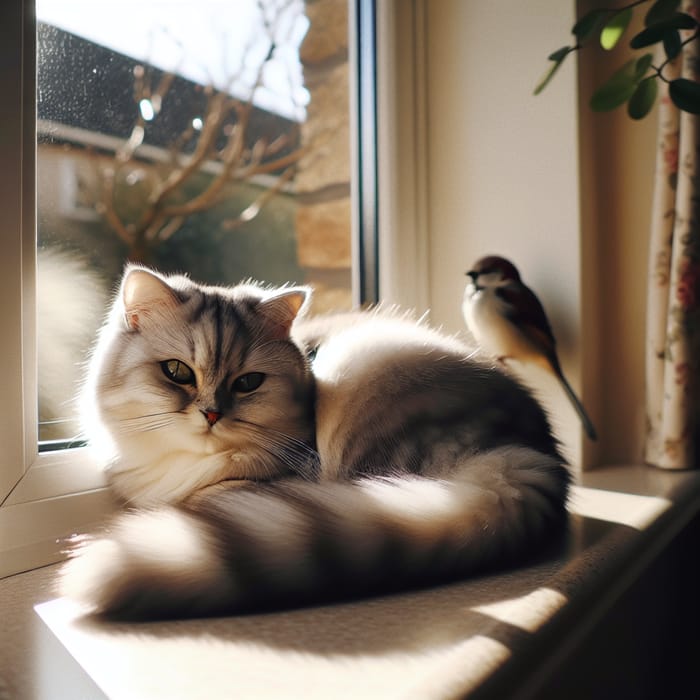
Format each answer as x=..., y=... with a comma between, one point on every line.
x=268, y=459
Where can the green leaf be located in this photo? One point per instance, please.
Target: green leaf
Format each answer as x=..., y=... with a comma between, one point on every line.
x=685, y=94
x=643, y=64
x=660, y=11
x=643, y=99
x=558, y=58
x=546, y=78
x=560, y=54
x=647, y=37
x=681, y=20
x=588, y=24
x=656, y=32
x=631, y=68
x=672, y=43
x=614, y=28
x=612, y=94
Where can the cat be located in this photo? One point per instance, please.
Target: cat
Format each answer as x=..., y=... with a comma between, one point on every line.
x=267, y=459
x=69, y=306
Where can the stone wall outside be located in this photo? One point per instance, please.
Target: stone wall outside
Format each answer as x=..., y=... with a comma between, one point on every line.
x=323, y=220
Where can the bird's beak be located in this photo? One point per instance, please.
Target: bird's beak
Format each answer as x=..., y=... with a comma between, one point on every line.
x=473, y=274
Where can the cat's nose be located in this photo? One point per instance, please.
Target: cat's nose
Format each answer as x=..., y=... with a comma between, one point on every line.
x=211, y=416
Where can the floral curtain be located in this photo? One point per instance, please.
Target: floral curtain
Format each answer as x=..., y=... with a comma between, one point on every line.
x=673, y=310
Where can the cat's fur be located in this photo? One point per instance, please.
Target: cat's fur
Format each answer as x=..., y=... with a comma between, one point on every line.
x=395, y=460
x=70, y=306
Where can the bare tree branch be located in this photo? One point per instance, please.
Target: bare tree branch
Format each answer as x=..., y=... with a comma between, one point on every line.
x=220, y=138
x=105, y=207
x=253, y=209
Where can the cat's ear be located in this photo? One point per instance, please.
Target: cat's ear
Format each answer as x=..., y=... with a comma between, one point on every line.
x=282, y=307
x=143, y=293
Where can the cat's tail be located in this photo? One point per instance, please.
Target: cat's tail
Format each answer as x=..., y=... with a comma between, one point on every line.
x=298, y=541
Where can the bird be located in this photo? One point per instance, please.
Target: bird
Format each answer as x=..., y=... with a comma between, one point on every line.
x=508, y=321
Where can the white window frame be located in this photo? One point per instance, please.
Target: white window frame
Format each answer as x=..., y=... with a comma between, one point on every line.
x=44, y=497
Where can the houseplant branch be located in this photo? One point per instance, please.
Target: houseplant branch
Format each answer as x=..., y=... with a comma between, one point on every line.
x=636, y=82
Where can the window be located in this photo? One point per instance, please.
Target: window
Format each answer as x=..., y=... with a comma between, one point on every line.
x=187, y=142
x=293, y=183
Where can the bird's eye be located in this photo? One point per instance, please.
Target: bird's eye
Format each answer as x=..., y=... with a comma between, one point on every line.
x=177, y=371
x=248, y=382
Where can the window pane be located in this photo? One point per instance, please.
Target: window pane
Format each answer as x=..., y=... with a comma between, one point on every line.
x=213, y=142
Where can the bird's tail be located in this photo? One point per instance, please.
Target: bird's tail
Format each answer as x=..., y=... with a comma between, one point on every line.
x=297, y=541
x=576, y=403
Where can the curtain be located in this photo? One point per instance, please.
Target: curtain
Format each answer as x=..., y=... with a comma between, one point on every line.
x=673, y=309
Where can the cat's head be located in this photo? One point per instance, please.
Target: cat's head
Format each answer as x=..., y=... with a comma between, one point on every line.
x=195, y=384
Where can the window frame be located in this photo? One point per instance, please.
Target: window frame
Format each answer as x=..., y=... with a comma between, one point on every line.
x=43, y=496
x=362, y=28
x=46, y=496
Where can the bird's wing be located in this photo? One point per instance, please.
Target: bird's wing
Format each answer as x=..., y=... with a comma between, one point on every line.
x=526, y=311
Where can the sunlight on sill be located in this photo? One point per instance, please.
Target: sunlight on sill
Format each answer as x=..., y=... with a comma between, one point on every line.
x=616, y=507
x=178, y=659
x=528, y=612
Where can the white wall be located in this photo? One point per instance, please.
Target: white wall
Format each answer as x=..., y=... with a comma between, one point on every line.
x=473, y=163
x=500, y=166
x=503, y=165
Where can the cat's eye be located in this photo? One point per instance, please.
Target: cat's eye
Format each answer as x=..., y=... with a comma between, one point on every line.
x=177, y=371
x=248, y=382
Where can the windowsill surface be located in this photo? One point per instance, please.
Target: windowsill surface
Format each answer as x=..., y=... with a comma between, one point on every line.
x=446, y=642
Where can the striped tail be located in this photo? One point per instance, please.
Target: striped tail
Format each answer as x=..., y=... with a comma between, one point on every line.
x=294, y=541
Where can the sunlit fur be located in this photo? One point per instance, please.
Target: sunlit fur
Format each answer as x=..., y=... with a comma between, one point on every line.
x=422, y=463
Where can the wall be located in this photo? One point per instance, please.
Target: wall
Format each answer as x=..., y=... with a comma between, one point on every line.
x=561, y=191
x=503, y=169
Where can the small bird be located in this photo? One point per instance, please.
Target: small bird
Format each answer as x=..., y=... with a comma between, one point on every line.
x=509, y=322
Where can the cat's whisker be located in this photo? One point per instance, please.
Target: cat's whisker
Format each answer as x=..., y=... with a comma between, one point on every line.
x=146, y=423
x=281, y=437
x=272, y=432
x=276, y=447
x=143, y=429
x=141, y=424
x=294, y=453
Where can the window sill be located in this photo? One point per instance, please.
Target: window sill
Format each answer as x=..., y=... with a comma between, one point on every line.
x=484, y=637
x=61, y=493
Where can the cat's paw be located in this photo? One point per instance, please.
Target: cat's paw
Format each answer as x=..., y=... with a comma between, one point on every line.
x=152, y=564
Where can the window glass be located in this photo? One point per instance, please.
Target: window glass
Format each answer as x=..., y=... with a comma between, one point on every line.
x=209, y=138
